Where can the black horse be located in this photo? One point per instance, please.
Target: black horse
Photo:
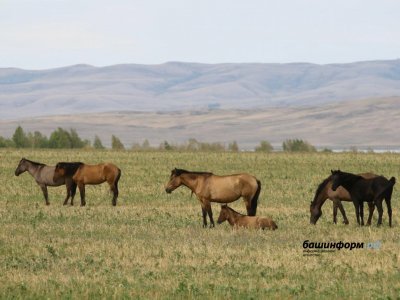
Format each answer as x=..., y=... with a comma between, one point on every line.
x=368, y=190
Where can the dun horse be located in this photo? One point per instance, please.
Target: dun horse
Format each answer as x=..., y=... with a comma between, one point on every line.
x=369, y=190
x=221, y=189
x=90, y=174
x=324, y=191
x=44, y=177
x=236, y=219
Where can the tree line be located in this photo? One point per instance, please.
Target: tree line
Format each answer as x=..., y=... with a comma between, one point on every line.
x=69, y=139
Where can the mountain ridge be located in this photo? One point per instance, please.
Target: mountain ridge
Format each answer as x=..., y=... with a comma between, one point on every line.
x=175, y=86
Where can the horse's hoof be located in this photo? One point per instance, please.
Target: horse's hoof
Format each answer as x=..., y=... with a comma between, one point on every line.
x=346, y=222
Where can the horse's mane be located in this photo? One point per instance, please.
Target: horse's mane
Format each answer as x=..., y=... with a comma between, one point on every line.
x=319, y=189
x=179, y=172
x=69, y=167
x=34, y=162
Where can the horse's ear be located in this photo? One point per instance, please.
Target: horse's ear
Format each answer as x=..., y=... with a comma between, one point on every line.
x=332, y=171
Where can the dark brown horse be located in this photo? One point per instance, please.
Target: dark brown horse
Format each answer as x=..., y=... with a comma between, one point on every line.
x=236, y=219
x=44, y=177
x=324, y=191
x=221, y=189
x=369, y=190
x=91, y=174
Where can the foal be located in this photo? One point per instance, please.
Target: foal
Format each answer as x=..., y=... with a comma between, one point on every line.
x=236, y=219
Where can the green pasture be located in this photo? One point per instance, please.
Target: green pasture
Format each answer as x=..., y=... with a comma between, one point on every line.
x=152, y=244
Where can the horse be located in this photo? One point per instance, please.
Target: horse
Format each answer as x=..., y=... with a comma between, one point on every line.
x=324, y=191
x=370, y=190
x=91, y=174
x=236, y=219
x=67, y=170
x=213, y=188
x=44, y=177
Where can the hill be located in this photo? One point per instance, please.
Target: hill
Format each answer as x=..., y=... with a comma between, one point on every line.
x=189, y=86
x=362, y=123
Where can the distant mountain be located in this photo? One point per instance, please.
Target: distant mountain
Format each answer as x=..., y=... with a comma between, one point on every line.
x=189, y=86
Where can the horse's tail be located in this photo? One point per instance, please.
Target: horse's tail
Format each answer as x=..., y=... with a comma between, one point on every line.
x=320, y=188
x=117, y=179
x=254, y=200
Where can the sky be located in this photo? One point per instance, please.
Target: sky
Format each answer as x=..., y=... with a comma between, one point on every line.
x=42, y=34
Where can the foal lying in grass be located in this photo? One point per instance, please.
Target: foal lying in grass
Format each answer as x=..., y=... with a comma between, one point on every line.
x=236, y=219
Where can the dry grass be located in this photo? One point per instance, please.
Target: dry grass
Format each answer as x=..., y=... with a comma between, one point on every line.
x=152, y=245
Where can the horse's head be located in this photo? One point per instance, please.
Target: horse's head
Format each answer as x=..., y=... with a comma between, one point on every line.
x=174, y=182
x=337, y=176
x=315, y=213
x=22, y=167
x=223, y=215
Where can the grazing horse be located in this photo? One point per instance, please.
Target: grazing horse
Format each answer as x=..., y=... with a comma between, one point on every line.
x=221, y=189
x=370, y=190
x=324, y=191
x=44, y=177
x=91, y=174
x=236, y=219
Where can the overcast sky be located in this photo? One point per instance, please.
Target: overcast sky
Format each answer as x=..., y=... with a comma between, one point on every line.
x=40, y=34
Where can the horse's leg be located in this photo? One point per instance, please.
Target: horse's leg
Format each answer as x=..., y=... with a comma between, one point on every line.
x=371, y=208
x=362, y=212
x=210, y=214
x=204, y=211
x=82, y=192
x=389, y=208
x=356, y=206
x=341, y=208
x=45, y=194
x=335, y=207
x=68, y=185
x=378, y=204
x=73, y=192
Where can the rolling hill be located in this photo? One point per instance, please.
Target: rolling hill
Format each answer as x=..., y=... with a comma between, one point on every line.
x=189, y=86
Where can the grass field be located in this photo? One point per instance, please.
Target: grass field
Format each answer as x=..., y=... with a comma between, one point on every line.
x=152, y=245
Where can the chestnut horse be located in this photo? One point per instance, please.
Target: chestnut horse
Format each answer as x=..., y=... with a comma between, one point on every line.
x=369, y=190
x=44, y=177
x=221, y=189
x=236, y=219
x=324, y=191
x=90, y=174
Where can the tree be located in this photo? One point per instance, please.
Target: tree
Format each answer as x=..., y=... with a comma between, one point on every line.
x=37, y=140
x=265, y=146
x=297, y=145
x=146, y=145
x=116, y=144
x=97, y=144
x=6, y=143
x=166, y=146
x=234, y=147
x=60, y=138
x=76, y=141
x=20, y=139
